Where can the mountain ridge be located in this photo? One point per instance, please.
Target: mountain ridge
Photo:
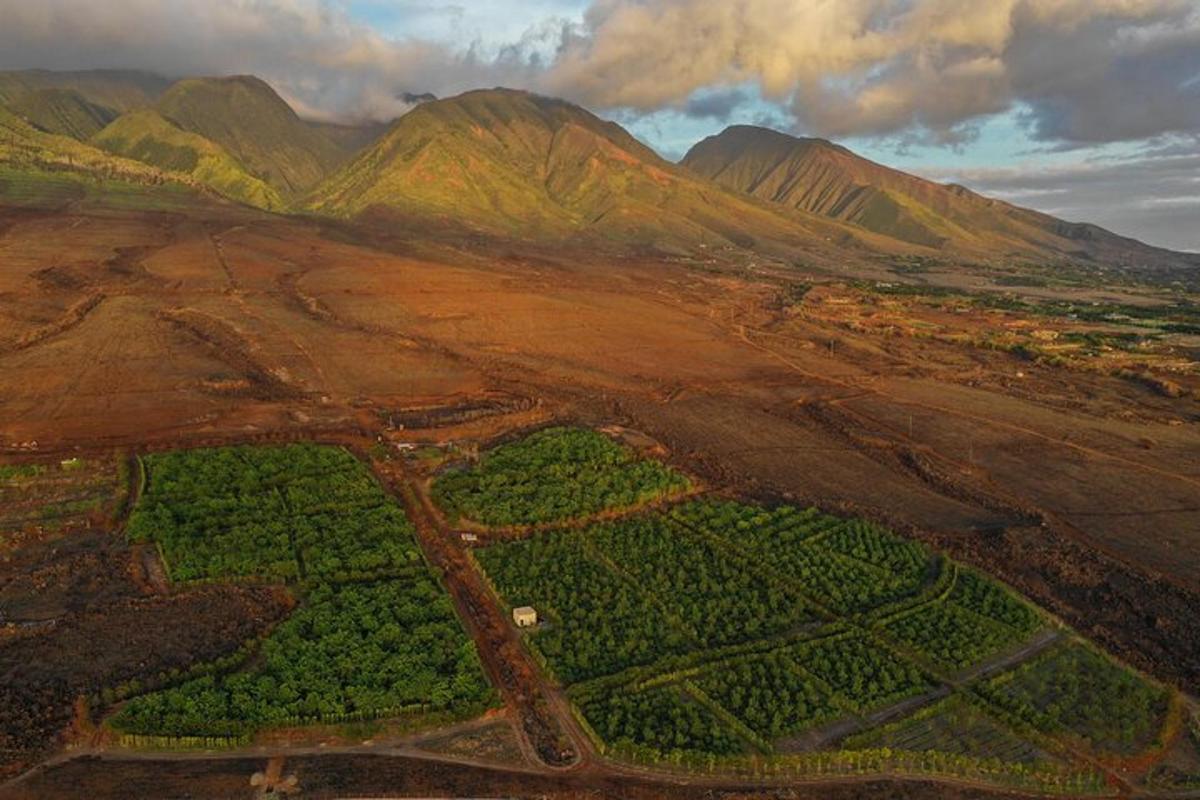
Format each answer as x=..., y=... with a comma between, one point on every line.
x=521, y=164
x=247, y=118
x=825, y=178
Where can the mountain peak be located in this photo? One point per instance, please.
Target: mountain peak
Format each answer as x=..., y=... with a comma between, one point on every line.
x=515, y=163
x=825, y=178
x=248, y=118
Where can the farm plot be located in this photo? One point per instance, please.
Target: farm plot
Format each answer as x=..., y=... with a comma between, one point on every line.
x=977, y=619
x=953, y=726
x=845, y=565
x=355, y=651
x=599, y=622
x=374, y=635
x=720, y=598
x=553, y=475
x=770, y=695
x=1073, y=690
x=658, y=723
x=858, y=670
x=298, y=511
x=704, y=633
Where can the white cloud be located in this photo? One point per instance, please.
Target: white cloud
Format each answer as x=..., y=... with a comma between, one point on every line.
x=1083, y=70
x=1088, y=70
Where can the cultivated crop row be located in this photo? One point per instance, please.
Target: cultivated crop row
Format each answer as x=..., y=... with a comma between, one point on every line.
x=299, y=511
x=374, y=635
x=553, y=475
x=349, y=652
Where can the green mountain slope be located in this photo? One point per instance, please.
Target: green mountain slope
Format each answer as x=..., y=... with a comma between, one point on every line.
x=515, y=163
x=824, y=178
x=350, y=139
x=253, y=124
x=44, y=169
x=145, y=136
x=62, y=111
x=117, y=91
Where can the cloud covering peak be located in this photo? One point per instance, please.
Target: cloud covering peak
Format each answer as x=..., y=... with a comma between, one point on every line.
x=1080, y=71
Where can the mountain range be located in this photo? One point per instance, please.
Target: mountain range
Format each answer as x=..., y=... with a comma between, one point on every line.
x=515, y=164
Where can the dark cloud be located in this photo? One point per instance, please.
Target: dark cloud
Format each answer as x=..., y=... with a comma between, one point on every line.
x=1153, y=195
x=1136, y=87
x=1086, y=70
x=718, y=105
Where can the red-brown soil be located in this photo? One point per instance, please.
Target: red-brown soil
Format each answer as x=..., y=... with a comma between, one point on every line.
x=80, y=617
x=1080, y=489
x=323, y=777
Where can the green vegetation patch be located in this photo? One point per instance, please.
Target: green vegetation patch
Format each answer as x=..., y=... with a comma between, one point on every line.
x=719, y=597
x=373, y=636
x=292, y=512
x=846, y=565
x=350, y=652
x=770, y=695
x=952, y=636
x=864, y=674
x=1073, y=689
x=662, y=723
x=978, y=619
x=598, y=623
x=554, y=475
x=954, y=726
x=146, y=136
x=17, y=472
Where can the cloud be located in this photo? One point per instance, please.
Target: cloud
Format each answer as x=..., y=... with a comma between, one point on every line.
x=1087, y=70
x=1153, y=195
x=309, y=50
x=1082, y=71
x=718, y=105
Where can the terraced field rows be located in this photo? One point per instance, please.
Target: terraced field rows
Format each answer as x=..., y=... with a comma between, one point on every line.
x=374, y=634
x=715, y=630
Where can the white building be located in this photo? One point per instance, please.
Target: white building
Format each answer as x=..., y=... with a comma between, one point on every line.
x=525, y=616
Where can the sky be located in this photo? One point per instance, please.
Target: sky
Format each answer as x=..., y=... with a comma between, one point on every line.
x=1087, y=109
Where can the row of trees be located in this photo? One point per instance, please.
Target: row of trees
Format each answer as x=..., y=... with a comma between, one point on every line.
x=817, y=551
x=349, y=652
x=553, y=475
x=769, y=695
x=1073, y=688
x=597, y=623
x=719, y=598
x=277, y=512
